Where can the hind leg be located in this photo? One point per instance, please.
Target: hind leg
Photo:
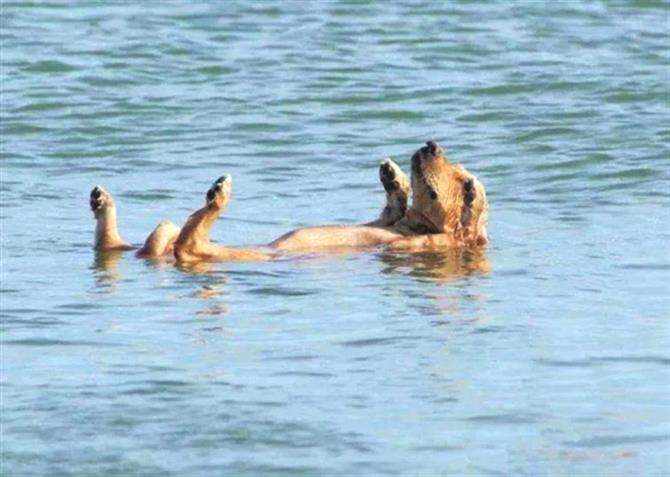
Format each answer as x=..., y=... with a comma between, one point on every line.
x=161, y=241
x=397, y=187
x=106, y=232
x=193, y=244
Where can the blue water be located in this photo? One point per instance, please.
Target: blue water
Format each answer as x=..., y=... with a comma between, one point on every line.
x=554, y=362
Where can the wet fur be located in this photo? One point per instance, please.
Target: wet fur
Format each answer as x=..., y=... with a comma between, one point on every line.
x=447, y=200
x=107, y=238
x=449, y=209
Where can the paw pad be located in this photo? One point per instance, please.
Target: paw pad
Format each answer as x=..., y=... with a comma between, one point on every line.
x=387, y=175
x=217, y=187
x=95, y=200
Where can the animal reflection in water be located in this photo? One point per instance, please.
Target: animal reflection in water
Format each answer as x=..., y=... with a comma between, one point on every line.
x=440, y=266
x=106, y=267
x=463, y=304
x=448, y=211
x=107, y=274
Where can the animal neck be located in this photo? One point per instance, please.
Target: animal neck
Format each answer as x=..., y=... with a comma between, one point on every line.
x=106, y=231
x=416, y=223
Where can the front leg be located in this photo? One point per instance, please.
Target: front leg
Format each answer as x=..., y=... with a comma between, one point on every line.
x=397, y=187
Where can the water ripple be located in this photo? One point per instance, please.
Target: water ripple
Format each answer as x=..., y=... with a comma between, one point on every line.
x=370, y=364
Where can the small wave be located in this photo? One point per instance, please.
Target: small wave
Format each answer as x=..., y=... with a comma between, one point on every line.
x=580, y=163
x=504, y=418
x=366, y=342
x=49, y=66
x=547, y=132
x=45, y=342
x=281, y=291
x=610, y=440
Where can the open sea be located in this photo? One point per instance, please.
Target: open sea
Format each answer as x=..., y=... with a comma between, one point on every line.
x=552, y=359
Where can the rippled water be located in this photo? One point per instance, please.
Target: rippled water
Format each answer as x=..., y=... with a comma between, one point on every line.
x=555, y=362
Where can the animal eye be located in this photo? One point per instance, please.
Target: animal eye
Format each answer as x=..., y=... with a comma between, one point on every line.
x=432, y=193
x=210, y=194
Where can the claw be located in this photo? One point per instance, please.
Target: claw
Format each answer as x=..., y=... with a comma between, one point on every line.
x=95, y=202
x=218, y=186
x=223, y=179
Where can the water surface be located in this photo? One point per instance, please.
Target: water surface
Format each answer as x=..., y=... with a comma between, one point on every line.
x=553, y=362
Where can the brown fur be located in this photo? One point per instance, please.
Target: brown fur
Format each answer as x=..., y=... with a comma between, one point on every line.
x=193, y=244
x=107, y=235
x=159, y=243
x=397, y=189
x=449, y=209
x=447, y=200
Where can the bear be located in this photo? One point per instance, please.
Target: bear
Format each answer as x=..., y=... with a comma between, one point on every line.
x=449, y=209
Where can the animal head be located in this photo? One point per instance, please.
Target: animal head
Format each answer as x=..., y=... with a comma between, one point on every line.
x=446, y=198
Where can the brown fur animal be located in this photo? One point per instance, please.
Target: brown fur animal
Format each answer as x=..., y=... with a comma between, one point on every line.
x=449, y=205
x=449, y=209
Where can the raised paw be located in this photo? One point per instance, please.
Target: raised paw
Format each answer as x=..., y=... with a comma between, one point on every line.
x=389, y=173
x=104, y=212
x=392, y=177
x=100, y=199
x=397, y=187
x=219, y=194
